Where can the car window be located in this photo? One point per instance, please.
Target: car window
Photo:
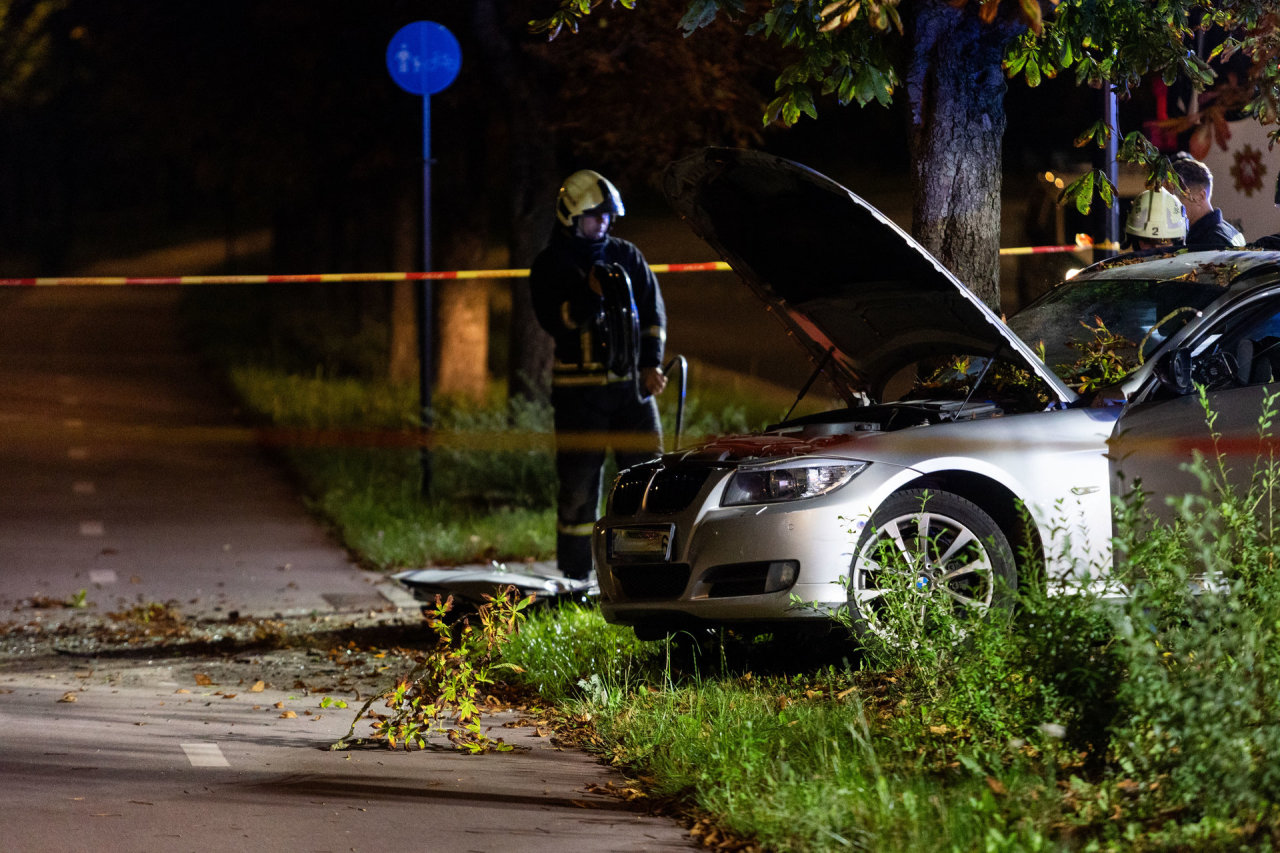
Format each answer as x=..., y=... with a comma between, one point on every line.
x=1243, y=350
x=1082, y=323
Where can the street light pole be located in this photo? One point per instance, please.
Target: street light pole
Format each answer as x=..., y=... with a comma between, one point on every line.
x=1111, y=166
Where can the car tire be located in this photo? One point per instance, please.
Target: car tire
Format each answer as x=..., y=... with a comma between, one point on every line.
x=926, y=561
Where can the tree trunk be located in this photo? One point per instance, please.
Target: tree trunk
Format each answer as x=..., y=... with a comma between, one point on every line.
x=956, y=89
x=463, y=320
x=531, y=164
x=403, y=323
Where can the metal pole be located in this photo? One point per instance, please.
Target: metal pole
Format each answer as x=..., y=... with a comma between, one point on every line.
x=426, y=359
x=1111, y=115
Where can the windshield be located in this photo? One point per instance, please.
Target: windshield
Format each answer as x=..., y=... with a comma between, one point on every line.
x=1094, y=331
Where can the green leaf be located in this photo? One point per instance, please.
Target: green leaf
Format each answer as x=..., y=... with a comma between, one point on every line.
x=1080, y=192
x=701, y=13
x=866, y=88
x=1033, y=73
x=1098, y=132
x=884, y=90
x=1106, y=191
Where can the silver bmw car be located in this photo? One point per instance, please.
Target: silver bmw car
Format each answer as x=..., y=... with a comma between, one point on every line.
x=970, y=456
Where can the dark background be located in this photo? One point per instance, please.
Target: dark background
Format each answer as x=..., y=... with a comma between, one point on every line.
x=130, y=127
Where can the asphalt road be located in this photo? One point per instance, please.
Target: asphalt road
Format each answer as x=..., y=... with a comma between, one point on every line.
x=108, y=756
x=123, y=473
x=123, y=476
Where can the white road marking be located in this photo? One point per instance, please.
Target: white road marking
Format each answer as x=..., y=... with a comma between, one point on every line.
x=77, y=453
x=101, y=576
x=204, y=755
x=83, y=487
x=92, y=528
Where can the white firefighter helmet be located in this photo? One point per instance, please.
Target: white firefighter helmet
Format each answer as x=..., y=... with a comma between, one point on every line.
x=1157, y=215
x=586, y=191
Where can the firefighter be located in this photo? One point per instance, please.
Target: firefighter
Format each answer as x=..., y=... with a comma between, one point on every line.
x=1206, y=227
x=1156, y=220
x=596, y=296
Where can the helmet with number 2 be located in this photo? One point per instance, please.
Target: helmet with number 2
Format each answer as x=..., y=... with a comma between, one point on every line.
x=1157, y=215
x=586, y=191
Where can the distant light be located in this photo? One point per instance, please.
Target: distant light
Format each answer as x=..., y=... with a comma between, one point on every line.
x=1048, y=176
x=1058, y=183
x=1071, y=273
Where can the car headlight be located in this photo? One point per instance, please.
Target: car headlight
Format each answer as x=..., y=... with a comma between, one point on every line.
x=787, y=483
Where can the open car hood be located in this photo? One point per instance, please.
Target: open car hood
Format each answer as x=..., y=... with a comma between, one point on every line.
x=838, y=272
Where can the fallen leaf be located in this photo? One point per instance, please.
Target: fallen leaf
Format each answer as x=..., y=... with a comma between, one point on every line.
x=68, y=697
x=203, y=680
x=288, y=715
x=258, y=687
x=182, y=690
x=997, y=787
x=228, y=695
x=280, y=704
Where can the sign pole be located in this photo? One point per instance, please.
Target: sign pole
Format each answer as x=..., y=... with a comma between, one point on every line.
x=423, y=58
x=426, y=314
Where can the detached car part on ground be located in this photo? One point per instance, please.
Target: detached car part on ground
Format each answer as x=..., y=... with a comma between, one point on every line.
x=962, y=464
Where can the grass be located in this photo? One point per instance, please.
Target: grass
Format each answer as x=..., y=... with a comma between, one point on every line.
x=816, y=760
x=492, y=489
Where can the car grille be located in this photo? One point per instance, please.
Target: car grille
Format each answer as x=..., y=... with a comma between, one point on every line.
x=673, y=489
x=652, y=582
x=628, y=491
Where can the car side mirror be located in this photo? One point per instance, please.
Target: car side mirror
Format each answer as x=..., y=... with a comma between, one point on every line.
x=1173, y=370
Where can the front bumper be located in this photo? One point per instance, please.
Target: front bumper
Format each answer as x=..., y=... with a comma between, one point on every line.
x=770, y=562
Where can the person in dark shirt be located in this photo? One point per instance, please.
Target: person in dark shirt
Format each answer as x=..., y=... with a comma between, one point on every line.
x=596, y=296
x=1206, y=229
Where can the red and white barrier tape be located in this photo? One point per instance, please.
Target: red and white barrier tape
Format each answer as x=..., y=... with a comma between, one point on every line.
x=1082, y=244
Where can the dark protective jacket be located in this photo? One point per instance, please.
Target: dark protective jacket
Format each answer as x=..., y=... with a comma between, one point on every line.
x=574, y=315
x=1212, y=232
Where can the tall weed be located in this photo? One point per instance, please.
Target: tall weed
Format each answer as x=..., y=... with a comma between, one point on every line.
x=1202, y=653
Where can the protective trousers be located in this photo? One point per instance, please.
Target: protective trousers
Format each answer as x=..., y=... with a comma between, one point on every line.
x=588, y=421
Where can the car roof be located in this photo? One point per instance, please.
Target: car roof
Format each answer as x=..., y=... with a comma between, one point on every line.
x=1226, y=267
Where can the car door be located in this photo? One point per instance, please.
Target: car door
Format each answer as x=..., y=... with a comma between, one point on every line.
x=1159, y=437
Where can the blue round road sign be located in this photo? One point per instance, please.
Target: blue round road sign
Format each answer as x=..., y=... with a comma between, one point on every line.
x=423, y=57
